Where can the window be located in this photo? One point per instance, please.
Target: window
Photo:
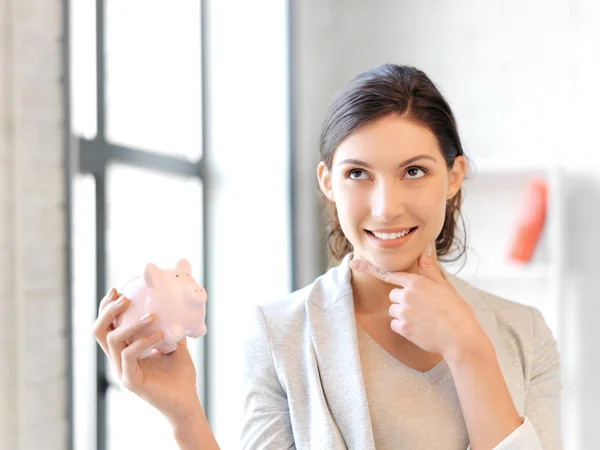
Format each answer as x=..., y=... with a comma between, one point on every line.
x=151, y=217
x=135, y=98
x=153, y=75
x=139, y=146
x=84, y=309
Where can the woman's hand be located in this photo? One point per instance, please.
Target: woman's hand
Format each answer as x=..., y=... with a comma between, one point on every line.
x=167, y=382
x=426, y=309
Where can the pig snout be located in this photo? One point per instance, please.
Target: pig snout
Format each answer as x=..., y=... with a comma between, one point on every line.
x=195, y=296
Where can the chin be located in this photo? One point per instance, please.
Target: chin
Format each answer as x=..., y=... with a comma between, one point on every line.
x=399, y=262
x=396, y=266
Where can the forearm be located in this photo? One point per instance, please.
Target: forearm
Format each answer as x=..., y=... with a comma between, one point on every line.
x=487, y=406
x=194, y=433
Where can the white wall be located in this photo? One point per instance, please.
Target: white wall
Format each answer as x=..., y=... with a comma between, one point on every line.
x=248, y=214
x=521, y=77
x=32, y=217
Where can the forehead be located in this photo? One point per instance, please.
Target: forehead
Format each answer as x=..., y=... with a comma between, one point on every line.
x=389, y=138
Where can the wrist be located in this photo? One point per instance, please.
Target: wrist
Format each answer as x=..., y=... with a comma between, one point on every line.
x=192, y=412
x=472, y=344
x=192, y=431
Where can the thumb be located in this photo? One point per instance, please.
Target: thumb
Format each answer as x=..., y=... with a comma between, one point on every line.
x=183, y=343
x=428, y=264
x=182, y=348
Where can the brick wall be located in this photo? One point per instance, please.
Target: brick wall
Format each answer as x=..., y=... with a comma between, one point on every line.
x=32, y=219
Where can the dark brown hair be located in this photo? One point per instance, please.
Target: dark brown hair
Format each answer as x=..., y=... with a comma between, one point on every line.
x=406, y=92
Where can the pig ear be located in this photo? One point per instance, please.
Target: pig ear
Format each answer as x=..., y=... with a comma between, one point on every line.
x=151, y=274
x=184, y=265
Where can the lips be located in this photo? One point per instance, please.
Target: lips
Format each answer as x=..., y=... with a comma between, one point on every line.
x=391, y=233
x=391, y=230
x=391, y=240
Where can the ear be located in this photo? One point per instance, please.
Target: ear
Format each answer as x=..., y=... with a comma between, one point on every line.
x=456, y=175
x=151, y=275
x=324, y=176
x=183, y=264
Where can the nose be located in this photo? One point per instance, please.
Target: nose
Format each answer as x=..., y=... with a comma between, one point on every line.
x=387, y=201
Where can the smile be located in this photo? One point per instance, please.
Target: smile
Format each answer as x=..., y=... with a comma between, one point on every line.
x=394, y=239
x=388, y=236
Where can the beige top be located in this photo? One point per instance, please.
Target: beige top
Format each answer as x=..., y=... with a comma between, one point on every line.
x=410, y=409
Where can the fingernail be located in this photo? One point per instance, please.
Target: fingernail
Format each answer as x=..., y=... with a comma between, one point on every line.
x=382, y=272
x=429, y=249
x=146, y=317
x=121, y=301
x=354, y=264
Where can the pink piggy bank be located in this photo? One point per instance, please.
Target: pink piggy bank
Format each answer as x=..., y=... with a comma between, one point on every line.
x=174, y=296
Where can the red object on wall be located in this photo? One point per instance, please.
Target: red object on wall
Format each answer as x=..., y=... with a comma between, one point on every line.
x=530, y=222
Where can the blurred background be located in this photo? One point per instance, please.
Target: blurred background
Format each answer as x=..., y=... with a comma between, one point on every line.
x=143, y=130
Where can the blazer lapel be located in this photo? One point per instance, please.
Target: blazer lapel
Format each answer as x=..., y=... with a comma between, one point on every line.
x=333, y=330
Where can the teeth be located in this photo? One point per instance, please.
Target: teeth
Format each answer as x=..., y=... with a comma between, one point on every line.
x=387, y=236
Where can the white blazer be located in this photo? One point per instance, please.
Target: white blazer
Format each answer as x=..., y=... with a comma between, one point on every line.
x=302, y=378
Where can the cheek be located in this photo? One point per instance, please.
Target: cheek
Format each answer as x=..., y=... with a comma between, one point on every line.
x=431, y=208
x=352, y=210
x=352, y=206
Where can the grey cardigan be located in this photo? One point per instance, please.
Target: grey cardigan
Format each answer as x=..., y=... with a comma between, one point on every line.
x=302, y=378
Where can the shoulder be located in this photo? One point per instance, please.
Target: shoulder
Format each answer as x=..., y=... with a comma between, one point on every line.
x=288, y=314
x=510, y=313
x=527, y=341
x=525, y=321
x=516, y=321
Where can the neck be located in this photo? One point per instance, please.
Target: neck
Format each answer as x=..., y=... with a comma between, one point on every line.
x=371, y=295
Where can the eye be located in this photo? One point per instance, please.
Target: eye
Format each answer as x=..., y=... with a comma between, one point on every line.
x=415, y=172
x=357, y=174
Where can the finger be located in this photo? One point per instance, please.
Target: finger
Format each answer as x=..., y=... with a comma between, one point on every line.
x=181, y=348
x=396, y=310
x=400, y=326
x=117, y=339
x=398, y=278
x=109, y=297
x=429, y=265
x=130, y=357
x=182, y=343
x=398, y=295
x=103, y=323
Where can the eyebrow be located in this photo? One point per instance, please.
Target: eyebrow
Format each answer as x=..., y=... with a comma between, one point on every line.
x=405, y=163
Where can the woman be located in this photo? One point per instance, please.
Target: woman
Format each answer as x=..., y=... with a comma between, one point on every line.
x=386, y=350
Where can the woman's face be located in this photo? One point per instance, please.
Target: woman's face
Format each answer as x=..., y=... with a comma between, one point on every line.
x=390, y=184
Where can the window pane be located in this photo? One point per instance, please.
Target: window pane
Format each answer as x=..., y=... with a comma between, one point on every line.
x=151, y=217
x=82, y=44
x=153, y=75
x=84, y=311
